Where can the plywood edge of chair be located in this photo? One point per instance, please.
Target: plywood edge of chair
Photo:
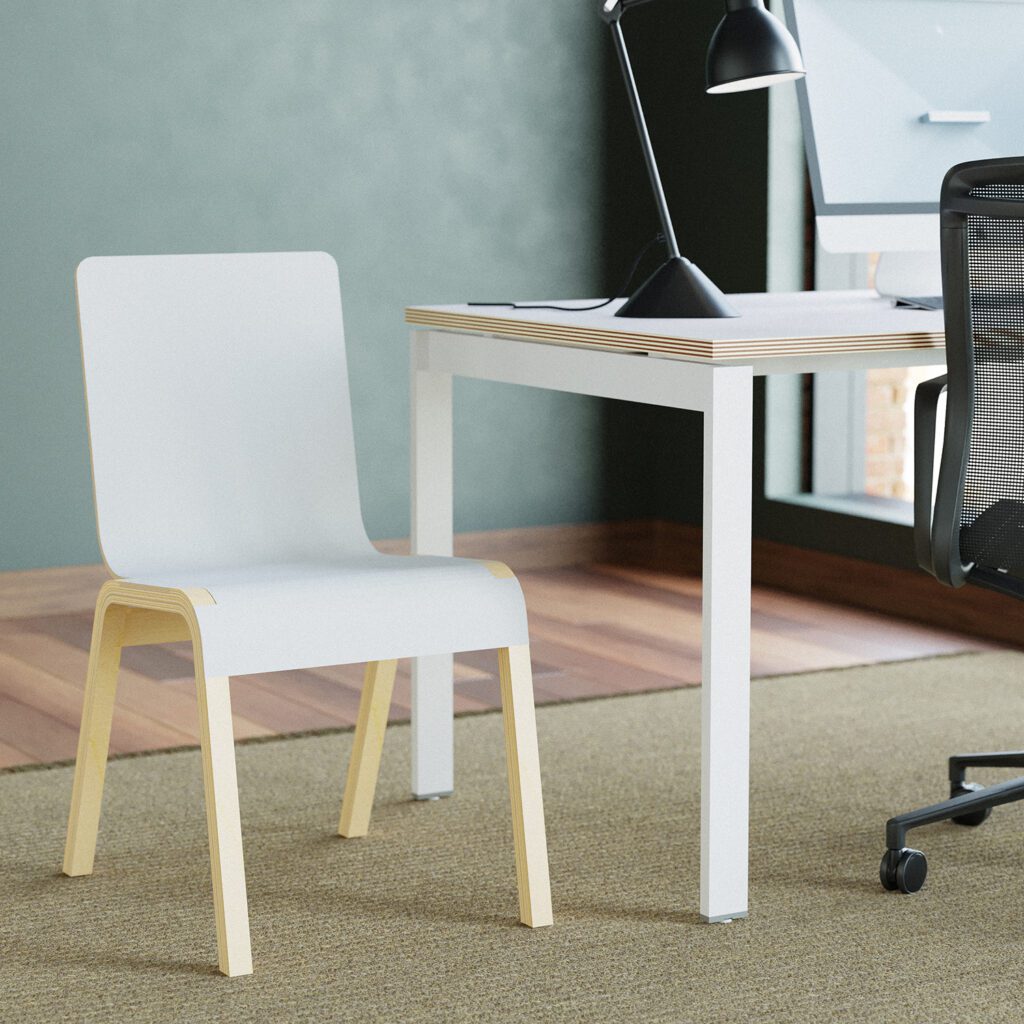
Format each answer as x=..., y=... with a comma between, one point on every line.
x=156, y=614
x=498, y=569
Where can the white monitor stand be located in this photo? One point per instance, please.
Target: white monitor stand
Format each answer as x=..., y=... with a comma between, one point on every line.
x=909, y=274
x=908, y=244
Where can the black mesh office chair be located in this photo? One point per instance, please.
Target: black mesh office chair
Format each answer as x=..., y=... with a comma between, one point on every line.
x=975, y=532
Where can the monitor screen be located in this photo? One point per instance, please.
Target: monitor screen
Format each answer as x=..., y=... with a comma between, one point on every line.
x=898, y=91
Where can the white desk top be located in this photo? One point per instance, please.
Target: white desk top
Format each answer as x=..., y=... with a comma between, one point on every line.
x=771, y=326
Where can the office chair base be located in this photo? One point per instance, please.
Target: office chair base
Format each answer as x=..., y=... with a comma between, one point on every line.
x=969, y=804
x=975, y=818
x=904, y=870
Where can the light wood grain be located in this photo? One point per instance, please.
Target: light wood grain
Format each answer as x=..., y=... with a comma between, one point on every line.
x=224, y=825
x=524, y=785
x=97, y=714
x=144, y=627
x=776, y=326
x=364, y=763
x=152, y=608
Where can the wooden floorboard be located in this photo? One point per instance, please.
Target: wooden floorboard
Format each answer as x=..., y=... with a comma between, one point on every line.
x=597, y=630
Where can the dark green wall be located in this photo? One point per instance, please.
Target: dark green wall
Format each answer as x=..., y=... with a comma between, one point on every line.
x=440, y=151
x=713, y=157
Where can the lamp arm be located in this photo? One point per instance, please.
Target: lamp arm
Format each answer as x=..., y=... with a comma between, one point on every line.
x=612, y=10
x=645, y=138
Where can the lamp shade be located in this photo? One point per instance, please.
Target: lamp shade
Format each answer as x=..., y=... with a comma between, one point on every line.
x=750, y=49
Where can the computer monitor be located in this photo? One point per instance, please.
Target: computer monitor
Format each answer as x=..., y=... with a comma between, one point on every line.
x=896, y=93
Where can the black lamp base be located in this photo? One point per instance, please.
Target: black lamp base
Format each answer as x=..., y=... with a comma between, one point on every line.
x=678, y=288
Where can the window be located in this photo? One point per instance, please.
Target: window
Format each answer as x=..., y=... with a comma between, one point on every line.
x=837, y=441
x=844, y=441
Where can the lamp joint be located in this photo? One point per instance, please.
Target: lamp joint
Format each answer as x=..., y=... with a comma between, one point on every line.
x=613, y=10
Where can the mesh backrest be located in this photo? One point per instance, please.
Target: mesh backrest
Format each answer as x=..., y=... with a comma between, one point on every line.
x=992, y=518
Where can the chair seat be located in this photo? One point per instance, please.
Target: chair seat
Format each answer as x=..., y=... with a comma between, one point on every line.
x=362, y=607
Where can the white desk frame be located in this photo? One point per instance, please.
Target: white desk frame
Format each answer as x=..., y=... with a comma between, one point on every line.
x=723, y=393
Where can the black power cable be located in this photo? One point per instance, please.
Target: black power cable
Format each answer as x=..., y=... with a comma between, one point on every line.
x=624, y=290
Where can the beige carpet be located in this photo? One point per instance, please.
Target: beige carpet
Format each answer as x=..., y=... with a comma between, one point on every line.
x=416, y=922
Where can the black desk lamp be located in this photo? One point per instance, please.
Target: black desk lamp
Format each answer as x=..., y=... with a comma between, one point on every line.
x=749, y=50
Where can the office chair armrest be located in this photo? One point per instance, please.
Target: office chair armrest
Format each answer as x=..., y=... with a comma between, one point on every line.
x=926, y=403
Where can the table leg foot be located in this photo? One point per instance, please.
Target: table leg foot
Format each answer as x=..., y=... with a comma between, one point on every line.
x=723, y=918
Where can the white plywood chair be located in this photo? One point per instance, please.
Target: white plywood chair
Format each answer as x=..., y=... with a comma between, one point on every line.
x=228, y=510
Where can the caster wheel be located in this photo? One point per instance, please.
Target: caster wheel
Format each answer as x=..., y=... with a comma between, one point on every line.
x=904, y=870
x=975, y=818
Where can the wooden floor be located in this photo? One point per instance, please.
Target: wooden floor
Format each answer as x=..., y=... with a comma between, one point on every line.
x=596, y=630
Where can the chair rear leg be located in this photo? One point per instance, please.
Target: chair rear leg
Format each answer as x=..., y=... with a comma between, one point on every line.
x=959, y=786
x=524, y=785
x=224, y=824
x=94, y=739
x=364, y=763
x=959, y=763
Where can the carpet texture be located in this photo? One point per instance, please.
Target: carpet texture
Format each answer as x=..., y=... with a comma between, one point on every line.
x=417, y=921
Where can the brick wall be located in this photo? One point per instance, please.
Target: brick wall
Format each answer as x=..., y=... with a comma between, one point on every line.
x=889, y=430
x=887, y=433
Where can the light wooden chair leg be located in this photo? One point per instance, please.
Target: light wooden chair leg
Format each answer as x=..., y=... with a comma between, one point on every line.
x=524, y=785
x=94, y=739
x=224, y=824
x=364, y=763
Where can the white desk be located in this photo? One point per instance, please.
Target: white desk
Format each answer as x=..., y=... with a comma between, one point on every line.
x=704, y=365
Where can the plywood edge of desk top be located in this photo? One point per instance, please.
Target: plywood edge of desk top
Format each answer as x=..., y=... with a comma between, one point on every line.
x=687, y=348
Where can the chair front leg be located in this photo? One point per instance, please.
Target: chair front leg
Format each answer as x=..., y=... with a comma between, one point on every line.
x=224, y=824
x=524, y=786
x=364, y=763
x=94, y=738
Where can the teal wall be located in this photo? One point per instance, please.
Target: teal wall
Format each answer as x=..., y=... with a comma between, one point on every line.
x=439, y=151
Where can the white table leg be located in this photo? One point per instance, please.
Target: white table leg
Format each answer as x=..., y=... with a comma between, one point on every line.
x=725, y=700
x=432, y=677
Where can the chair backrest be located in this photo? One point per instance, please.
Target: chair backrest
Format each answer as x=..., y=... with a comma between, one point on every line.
x=978, y=526
x=219, y=413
